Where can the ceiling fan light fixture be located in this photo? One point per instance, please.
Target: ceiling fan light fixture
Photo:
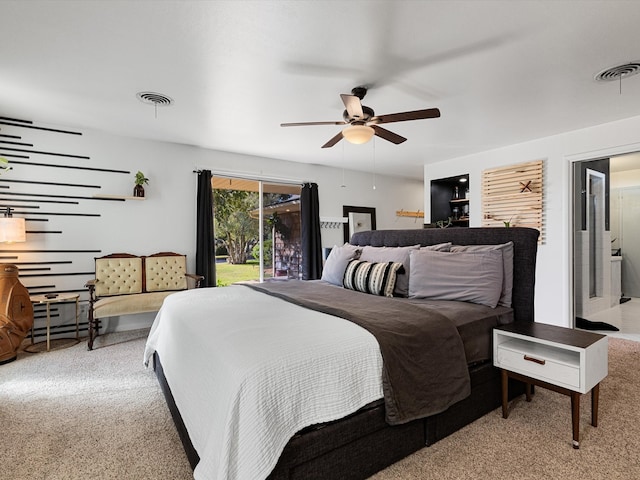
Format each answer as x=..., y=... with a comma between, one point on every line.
x=358, y=134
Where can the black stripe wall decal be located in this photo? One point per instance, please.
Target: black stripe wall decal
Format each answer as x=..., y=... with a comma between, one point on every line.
x=71, y=274
x=50, y=251
x=11, y=124
x=46, y=153
x=74, y=167
x=17, y=143
x=59, y=214
x=43, y=315
x=36, y=200
x=59, y=262
x=5, y=205
x=54, y=168
x=61, y=196
x=33, y=182
x=17, y=120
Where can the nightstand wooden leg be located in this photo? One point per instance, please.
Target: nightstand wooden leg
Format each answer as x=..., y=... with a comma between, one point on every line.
x=595, y=397
x=575, y=418
x=505, y=394
x=527, y=391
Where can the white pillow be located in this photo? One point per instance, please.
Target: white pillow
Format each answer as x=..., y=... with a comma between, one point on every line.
x=474, y=277
x=337, y=261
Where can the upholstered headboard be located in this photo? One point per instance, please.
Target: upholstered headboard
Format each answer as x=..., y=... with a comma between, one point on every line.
x=525, y=249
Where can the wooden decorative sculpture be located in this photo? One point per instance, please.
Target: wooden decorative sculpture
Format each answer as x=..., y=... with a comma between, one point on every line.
x=16, y=313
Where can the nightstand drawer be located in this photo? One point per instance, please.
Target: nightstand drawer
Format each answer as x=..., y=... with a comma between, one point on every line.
x=543, y=362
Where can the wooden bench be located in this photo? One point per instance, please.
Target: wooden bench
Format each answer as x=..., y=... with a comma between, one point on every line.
x=127, y=284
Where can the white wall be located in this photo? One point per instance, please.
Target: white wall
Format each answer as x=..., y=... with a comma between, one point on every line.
x=627, y=178
x=165, y=220
x=553, y=277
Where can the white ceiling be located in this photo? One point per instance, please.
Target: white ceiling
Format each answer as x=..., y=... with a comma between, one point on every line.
x=500, y=72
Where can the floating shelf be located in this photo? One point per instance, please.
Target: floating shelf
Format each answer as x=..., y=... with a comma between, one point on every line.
x=118, y=197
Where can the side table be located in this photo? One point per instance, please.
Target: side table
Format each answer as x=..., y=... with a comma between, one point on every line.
x=60, y=298
x=571, y=362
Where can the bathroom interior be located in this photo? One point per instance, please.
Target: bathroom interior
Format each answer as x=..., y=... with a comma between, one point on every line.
x=606, y=245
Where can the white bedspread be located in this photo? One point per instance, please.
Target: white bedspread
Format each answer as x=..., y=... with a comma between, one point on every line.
x=248, y=370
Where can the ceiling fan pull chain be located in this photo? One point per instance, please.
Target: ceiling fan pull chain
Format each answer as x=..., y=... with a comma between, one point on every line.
x=374, y=163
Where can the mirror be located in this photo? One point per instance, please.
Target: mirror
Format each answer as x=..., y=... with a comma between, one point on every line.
x=359, y=219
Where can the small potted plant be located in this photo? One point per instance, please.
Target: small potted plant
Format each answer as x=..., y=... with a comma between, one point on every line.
x=140, y=180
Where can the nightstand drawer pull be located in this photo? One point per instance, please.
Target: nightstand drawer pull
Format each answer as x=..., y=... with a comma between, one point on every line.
x=535, y=360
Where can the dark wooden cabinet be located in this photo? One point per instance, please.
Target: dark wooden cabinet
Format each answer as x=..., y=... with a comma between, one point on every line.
x=449, y=200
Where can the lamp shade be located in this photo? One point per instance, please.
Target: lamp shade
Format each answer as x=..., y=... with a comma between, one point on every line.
x=358, y=133
x=12, y=230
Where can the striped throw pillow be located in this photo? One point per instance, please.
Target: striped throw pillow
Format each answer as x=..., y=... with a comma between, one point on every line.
x=374, y=278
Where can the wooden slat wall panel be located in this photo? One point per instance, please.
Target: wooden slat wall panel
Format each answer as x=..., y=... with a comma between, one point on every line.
x=514, y=194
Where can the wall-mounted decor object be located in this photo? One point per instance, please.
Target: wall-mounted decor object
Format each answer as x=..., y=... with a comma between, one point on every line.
x=407, y=213
x=359, y=219
x=512, y=196
x=332, y=222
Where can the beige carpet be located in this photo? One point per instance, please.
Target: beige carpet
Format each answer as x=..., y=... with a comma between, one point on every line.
x=73, y=414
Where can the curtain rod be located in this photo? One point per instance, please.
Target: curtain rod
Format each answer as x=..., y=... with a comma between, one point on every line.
x=252, y=176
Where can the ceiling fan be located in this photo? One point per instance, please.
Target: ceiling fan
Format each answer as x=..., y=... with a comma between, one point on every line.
x=363, y=123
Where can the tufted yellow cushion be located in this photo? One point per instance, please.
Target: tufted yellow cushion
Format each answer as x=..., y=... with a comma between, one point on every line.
x=115, y=306
x=165, y=273
x=118, y=276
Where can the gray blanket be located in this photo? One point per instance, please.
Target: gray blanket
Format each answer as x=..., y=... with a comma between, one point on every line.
x=425, y=369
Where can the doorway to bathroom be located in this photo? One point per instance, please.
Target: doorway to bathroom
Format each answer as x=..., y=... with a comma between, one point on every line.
x=606, y=226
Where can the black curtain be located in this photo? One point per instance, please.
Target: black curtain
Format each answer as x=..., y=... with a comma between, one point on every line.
x=310, y=225
x=205, y=240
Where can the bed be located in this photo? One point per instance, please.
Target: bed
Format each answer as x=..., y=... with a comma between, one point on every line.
x=366, y=419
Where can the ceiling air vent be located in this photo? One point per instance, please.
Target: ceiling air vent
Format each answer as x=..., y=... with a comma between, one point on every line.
x=619, y=72
x=156, y=99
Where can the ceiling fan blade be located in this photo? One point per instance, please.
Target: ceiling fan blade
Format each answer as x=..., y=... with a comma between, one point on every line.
x=353, y=106
x=388, y=135
x=405, y=116
x=333, y=141
x=303, y=124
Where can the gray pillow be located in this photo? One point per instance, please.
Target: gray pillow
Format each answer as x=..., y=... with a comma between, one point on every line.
x=507, y=264
x=392, y=254
x=474, y=277
x=440, y=247
x=337, y=261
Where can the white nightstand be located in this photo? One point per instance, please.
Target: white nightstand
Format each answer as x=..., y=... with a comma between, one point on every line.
x=564, y=360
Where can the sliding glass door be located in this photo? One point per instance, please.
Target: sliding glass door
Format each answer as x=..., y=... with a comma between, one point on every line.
x=257, y=228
